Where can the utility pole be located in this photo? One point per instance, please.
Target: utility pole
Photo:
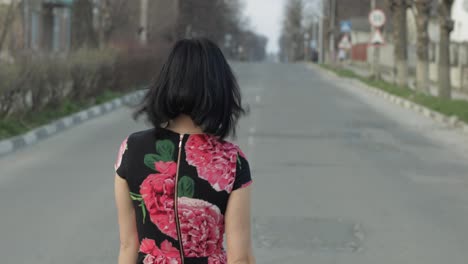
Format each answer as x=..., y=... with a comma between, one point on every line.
x=102, y=19
x=320, y=41
x=143, y=22
x=307, y=37
x=332, y=31
x=376, y=50
x=26, y=26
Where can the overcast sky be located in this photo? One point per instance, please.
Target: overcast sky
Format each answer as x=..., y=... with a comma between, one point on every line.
x=265, y=18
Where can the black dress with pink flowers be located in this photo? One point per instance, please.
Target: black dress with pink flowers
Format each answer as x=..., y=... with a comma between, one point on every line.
x=180, y=186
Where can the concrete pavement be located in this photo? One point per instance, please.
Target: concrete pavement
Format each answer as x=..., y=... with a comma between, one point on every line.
x=341, y=176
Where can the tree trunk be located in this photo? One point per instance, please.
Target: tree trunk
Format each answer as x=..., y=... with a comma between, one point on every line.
x=446, y=27
x=401, y=42
x=102, y=19
x=143, y=22
x=7, y=23
x=423, y=9
x=83, y=34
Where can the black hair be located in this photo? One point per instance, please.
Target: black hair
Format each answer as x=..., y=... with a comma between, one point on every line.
x=196, y=80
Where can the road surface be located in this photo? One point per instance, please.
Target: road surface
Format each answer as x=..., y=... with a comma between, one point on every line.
x=341, y=176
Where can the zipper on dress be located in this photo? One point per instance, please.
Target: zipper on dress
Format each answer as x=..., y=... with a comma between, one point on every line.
x=179, y=234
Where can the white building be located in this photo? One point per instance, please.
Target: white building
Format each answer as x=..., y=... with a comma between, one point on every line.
x=460, y=16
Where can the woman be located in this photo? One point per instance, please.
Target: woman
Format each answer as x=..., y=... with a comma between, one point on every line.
x=180, y=186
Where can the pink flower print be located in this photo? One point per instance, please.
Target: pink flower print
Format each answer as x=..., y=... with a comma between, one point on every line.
x=218, y=258
x=169, y=168
x=122, y=149
x=157, y=191
x=167, y=254
x=215, y=160
x=202, y=227
x=247, y=184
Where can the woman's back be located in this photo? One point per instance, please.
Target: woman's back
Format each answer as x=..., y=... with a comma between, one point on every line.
x=180, y=186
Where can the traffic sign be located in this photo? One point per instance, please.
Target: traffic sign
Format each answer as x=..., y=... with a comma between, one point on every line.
x=345, y=42
x=345, y=26
x=377, y=38
x=377, y=18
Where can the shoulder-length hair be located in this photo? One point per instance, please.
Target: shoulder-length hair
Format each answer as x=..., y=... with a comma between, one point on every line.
x=197, y=81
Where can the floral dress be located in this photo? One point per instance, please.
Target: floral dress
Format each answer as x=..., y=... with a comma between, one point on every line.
x=180, y=186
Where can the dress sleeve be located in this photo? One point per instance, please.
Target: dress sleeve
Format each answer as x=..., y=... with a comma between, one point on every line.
x=121, y=164
x=243, y=177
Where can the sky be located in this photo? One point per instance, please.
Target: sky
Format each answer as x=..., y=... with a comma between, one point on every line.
x=265, y=18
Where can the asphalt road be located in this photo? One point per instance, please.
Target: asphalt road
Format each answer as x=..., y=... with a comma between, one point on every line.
x=341, y=176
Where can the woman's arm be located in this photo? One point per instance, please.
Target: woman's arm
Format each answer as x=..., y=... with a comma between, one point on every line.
x=238, y=234
x=127, y=223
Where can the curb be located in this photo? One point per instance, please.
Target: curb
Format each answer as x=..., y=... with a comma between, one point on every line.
x=10, y=145
x=451, y=121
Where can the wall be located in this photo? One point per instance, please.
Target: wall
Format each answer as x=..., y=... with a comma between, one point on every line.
x=460, y=15
x=459, y=71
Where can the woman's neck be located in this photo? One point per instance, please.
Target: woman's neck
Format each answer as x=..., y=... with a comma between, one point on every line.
x=183, y=124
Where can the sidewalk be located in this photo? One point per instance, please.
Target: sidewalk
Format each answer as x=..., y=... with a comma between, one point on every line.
x=364, y=71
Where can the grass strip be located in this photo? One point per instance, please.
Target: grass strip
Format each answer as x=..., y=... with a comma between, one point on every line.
x=448, y=107
x=17, y=125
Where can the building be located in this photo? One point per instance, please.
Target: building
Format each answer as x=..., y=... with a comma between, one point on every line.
x=47, y=25
x=355, y=11
x=460, y=16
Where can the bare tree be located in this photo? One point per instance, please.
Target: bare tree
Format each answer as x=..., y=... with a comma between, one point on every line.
x=446, y=27
x=422, y=10
x=83, y=33
x=7, y=23
x=292, y=33
x=114, y=15
x=163, y=19
x=398, y=9
x=209, y=18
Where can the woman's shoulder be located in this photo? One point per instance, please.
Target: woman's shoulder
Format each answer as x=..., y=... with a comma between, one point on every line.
x=141, y=135
x=138, y=138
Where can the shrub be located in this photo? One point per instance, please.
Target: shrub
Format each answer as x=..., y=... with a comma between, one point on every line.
x=136, y=67
x=85, y=76
x=90, y=71
x=9, y=75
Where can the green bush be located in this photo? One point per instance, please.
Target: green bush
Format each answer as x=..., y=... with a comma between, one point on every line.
x=12, y=87
x=91, y=71
x=137, y=67
x=37, y=90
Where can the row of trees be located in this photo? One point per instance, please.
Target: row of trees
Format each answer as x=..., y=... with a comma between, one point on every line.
x=103, y=23
x=107, y=51
x=295, y=25
x=300, y=22
x=225, y=25
x=422, y=10
x=300, y=25
x=292, y=33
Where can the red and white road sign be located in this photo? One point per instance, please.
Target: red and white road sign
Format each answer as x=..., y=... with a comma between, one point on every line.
x=377, y=18
x=345, y=42
x=377, y=38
